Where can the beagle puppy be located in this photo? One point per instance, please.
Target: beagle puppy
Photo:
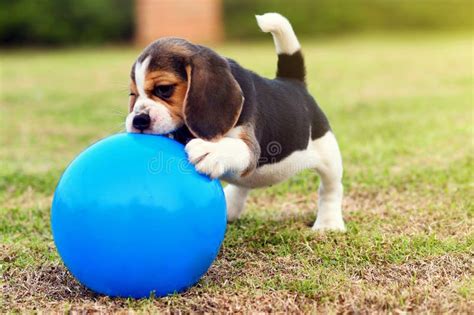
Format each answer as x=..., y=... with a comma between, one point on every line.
x=236, y=125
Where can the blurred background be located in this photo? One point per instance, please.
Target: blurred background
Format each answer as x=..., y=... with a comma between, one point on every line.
x=375, y=66
x=95, y=22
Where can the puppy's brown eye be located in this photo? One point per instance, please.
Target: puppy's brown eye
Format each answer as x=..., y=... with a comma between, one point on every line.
x=163, y=91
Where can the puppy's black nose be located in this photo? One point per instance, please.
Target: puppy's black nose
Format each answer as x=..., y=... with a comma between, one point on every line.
x=141, y=121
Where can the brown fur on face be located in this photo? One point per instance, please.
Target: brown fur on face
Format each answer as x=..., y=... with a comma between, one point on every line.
x=206, y=99
x=162, y=77
x=164, y=70
x=173, y=103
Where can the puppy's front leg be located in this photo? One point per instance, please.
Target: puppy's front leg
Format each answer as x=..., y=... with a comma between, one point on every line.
x=235, y=154
x=235, y=198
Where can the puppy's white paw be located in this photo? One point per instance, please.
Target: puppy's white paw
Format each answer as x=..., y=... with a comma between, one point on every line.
x=204, y=156
x=329, y=225
x=217, y=158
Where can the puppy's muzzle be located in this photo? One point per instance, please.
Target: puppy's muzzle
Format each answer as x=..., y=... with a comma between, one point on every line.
x=141, y=122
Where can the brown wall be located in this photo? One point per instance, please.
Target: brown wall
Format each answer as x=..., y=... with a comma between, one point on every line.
x=199, y=21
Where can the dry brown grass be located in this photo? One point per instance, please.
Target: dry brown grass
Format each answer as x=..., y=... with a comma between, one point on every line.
x=396, y=212
x=429, y=285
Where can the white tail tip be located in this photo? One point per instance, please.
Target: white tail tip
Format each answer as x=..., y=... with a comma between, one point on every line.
x=283, y=34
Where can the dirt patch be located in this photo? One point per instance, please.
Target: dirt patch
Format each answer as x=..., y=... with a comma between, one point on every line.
x=52, y=287
x=394, y=212
x=421, y=286
x=28, y=199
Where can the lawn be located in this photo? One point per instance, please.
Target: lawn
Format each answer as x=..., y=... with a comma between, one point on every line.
x=402, y=109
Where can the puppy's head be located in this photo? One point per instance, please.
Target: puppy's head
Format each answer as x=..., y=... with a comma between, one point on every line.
x=175, y=83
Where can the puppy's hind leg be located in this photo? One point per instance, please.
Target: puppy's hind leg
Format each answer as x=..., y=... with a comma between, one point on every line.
x=329, y=168
x=235, y=197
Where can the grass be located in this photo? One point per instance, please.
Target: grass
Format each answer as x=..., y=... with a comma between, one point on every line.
x=402, y=108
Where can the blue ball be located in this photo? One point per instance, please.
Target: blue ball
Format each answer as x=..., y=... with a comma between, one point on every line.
x=132, y=218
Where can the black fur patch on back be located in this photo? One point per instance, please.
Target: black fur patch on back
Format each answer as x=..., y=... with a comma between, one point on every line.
x=282, y=113
x=291, y=66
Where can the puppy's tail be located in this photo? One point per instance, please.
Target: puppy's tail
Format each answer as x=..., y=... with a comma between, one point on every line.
x=290, y=59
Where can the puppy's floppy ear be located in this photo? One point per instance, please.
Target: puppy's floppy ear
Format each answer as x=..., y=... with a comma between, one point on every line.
x=214, y=99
